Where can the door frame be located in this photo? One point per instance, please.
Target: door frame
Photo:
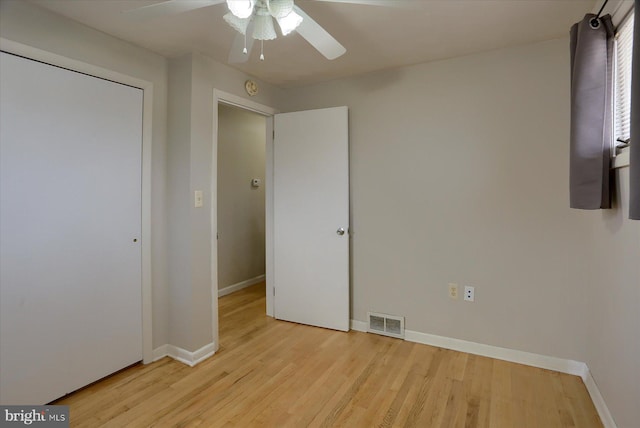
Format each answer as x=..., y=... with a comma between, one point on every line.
x=222, y=97
x=36, y=54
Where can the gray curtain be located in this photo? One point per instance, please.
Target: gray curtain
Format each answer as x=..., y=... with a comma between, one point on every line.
x=634, y=163
x=591, y=113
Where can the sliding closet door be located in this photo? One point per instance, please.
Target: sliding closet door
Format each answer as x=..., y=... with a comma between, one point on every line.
x=70, y=222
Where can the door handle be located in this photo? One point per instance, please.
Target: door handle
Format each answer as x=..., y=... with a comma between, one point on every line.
x=340, y=231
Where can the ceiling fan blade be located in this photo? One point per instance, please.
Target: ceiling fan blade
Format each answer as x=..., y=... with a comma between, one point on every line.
x=318, y=36
x=386, y=3
x=235, y=54
x=169, y=7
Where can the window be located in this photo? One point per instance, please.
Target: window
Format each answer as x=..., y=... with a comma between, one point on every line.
x=622, y=91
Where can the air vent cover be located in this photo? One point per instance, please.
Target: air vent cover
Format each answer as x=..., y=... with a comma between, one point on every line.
x=387, y=325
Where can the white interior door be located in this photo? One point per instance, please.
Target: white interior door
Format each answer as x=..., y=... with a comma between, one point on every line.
x=311, y=217
x=70, y=223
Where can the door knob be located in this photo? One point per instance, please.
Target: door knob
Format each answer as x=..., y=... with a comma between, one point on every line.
x=340, y=231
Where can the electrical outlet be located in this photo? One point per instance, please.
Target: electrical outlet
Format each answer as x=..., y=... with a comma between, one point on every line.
x=453, y=291
x=469, y=293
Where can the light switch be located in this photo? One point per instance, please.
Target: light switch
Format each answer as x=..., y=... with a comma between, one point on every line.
x=198, y=199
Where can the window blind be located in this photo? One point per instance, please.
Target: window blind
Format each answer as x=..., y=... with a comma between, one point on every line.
x=624, y=53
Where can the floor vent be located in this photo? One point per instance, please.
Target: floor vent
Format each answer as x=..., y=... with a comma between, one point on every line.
x=387, y=325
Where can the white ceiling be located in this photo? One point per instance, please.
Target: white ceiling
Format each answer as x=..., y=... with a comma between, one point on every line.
x=376, y=37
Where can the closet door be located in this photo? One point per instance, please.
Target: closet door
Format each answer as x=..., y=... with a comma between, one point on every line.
x=70, y=222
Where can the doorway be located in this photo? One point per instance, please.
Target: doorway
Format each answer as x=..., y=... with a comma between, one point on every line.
x=241, y=208
x=324, y=133
x=241, y=212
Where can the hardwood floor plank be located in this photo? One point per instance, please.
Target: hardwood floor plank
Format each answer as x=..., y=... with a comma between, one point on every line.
x=439, y=383
x=270, y=373
x=422, y=357
x=499, y=407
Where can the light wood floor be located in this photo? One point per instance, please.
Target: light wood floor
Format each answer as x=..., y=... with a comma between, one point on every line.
x=270, y=373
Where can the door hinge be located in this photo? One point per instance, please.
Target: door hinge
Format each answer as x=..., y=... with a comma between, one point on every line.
x=274, y=291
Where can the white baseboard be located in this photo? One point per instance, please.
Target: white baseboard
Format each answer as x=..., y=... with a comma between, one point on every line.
x=598, y=401
x=186, y=357
x=239, y=286
x=358, y=325
x=160, y=352
x=561, y=365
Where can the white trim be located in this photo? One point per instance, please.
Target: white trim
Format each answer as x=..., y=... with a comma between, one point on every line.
x=268, y=219
x=243, y=103
x=234, y=100
x=358, y=326
x=598, y=401
x=562, y=365
x=240, y=285
x=186, y=357
x=147, y=140
x=618, y=9
x=622, y=159
x=192, y=358
x=213, y=197
x=160, y=352
x=623, y=13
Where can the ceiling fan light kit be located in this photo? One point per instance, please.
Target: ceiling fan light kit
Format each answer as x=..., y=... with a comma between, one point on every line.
x=238, y=24
x=263, y=26
x=289, y=23
x=253, y=20
x=262, y=13
x=241, y=8
x=280, y=8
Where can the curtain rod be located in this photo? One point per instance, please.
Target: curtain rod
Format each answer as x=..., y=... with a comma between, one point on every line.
x=595, y=22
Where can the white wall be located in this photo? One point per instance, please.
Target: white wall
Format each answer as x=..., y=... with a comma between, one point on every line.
x=613, y=353
x=192, y=164
x=33, y=26
x=179, y=207
x=241, y=215
x=459, y=173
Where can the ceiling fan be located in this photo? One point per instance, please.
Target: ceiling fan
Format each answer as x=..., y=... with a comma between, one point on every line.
x=253, y=19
